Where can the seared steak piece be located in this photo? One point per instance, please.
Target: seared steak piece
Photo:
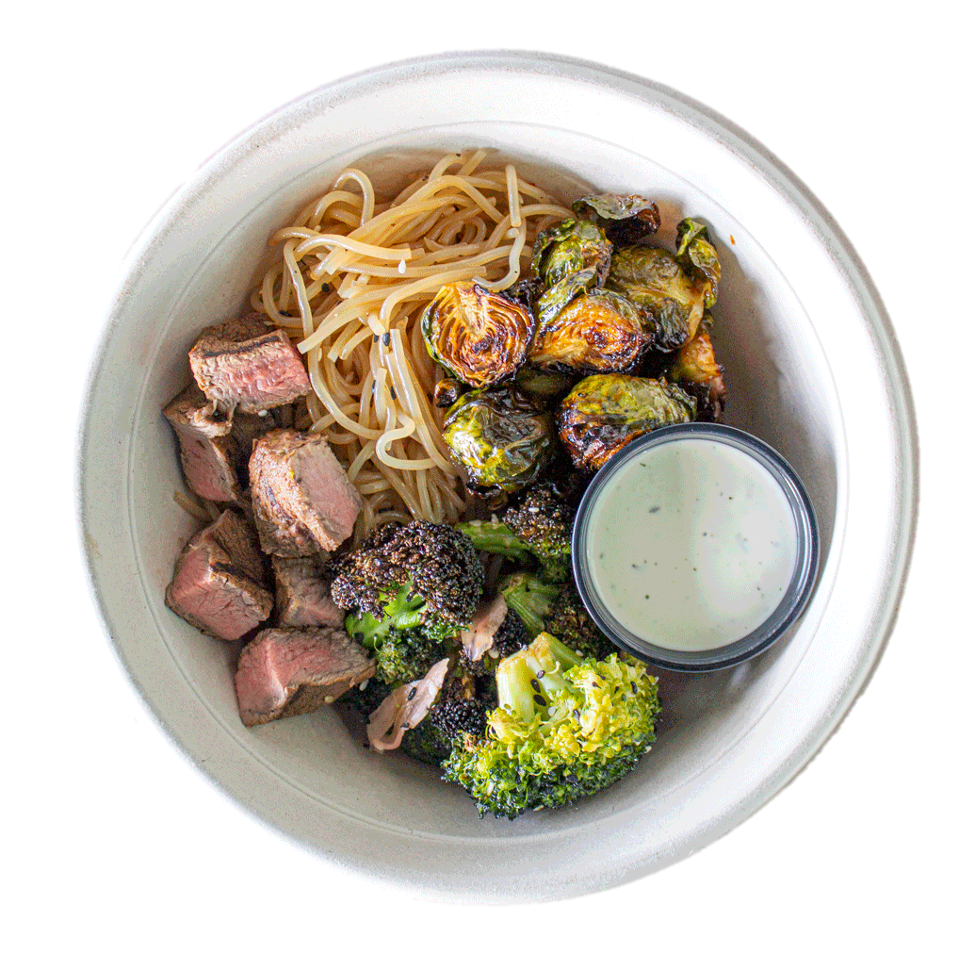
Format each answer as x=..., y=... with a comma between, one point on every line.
x=303, y=502
x=302, y=593
x=215, y=445
x=246, y=363
x=286, y=672
x=220, y=584
x=206, y=449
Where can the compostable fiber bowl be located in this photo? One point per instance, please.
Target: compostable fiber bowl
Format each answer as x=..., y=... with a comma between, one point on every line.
x=811, y=368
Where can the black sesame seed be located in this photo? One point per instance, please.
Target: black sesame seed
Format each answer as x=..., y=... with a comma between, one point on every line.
x=412, y=693
x=539, y=700
x=634, y=688
x=376, y=338
x=535, y=684
x=386, y=339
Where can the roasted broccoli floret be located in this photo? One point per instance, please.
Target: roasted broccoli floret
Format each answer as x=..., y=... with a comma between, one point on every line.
x=461, y=706
x=565, y=727
x=538, y=524
x=555, y=609
x=531, y=598
x=408, y=589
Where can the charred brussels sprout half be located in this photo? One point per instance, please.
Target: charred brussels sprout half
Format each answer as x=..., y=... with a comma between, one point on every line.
x=606, y=411
x=624, y=218
x=697, y=253
x=670, y=301
x=696, y=371
x=479, y=336
x=568, y=247
x=500, y=437
x=597, y=331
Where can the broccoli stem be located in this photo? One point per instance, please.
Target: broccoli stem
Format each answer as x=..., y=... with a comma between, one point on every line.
x=529, y=680
x=492, y=536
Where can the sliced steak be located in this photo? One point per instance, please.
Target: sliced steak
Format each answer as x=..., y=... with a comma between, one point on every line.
x=302, y=593
x=286, y=672
x=303, y=501
x=220, y=584
x=206, y=450
x=248, y=364
x=215, y=445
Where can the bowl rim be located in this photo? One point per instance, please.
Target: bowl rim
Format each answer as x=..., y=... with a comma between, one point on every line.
x=822, y=227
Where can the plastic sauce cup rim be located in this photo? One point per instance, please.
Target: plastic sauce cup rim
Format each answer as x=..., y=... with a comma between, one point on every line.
x=784, y=615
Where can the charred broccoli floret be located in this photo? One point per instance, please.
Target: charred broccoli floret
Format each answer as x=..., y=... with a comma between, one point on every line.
x=408, y=589
x=451, y=715
x=461, y=706
x=565, y=727
x=539, y=523
x=555, y=609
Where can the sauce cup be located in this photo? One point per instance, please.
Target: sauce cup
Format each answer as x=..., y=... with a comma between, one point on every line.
x=695, y=547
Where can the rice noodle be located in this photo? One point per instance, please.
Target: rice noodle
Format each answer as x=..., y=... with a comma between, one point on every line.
x=356, y=272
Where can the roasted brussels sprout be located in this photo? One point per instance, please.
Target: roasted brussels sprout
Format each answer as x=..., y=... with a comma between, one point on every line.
x=447, y=391
x=500, y=437
x=544, y=385
x=568, y=247
x=697, y=253
x=597, y=331
x=604, y=412
x=670, y=301
x=481, y=337
x=695, y=370
x=624, y=218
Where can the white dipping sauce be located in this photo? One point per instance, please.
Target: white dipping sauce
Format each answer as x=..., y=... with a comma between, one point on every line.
x=691, y=544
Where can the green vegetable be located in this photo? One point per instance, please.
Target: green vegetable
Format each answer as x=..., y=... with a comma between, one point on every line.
x=598, y=330
x=696, y=371
x=402, y=641
x=606, y=411
x=557, y=610
x=500, y=437
x=479, y=336
x=461, y=706
x=537, y=525
x=697, y=253
x=624, y=218
x=670, y=302
x=566, y=727
x=568, y=247
x=408, y=589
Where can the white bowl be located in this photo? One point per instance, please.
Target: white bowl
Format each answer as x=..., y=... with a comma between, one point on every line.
x=811, y=367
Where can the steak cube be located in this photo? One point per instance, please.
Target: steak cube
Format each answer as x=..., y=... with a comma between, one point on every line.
x=248, y=364
x=215, y=445
x=286, y=672
x=304, y=503
x=302, y=593
x=206, y=448
x=220, y=584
